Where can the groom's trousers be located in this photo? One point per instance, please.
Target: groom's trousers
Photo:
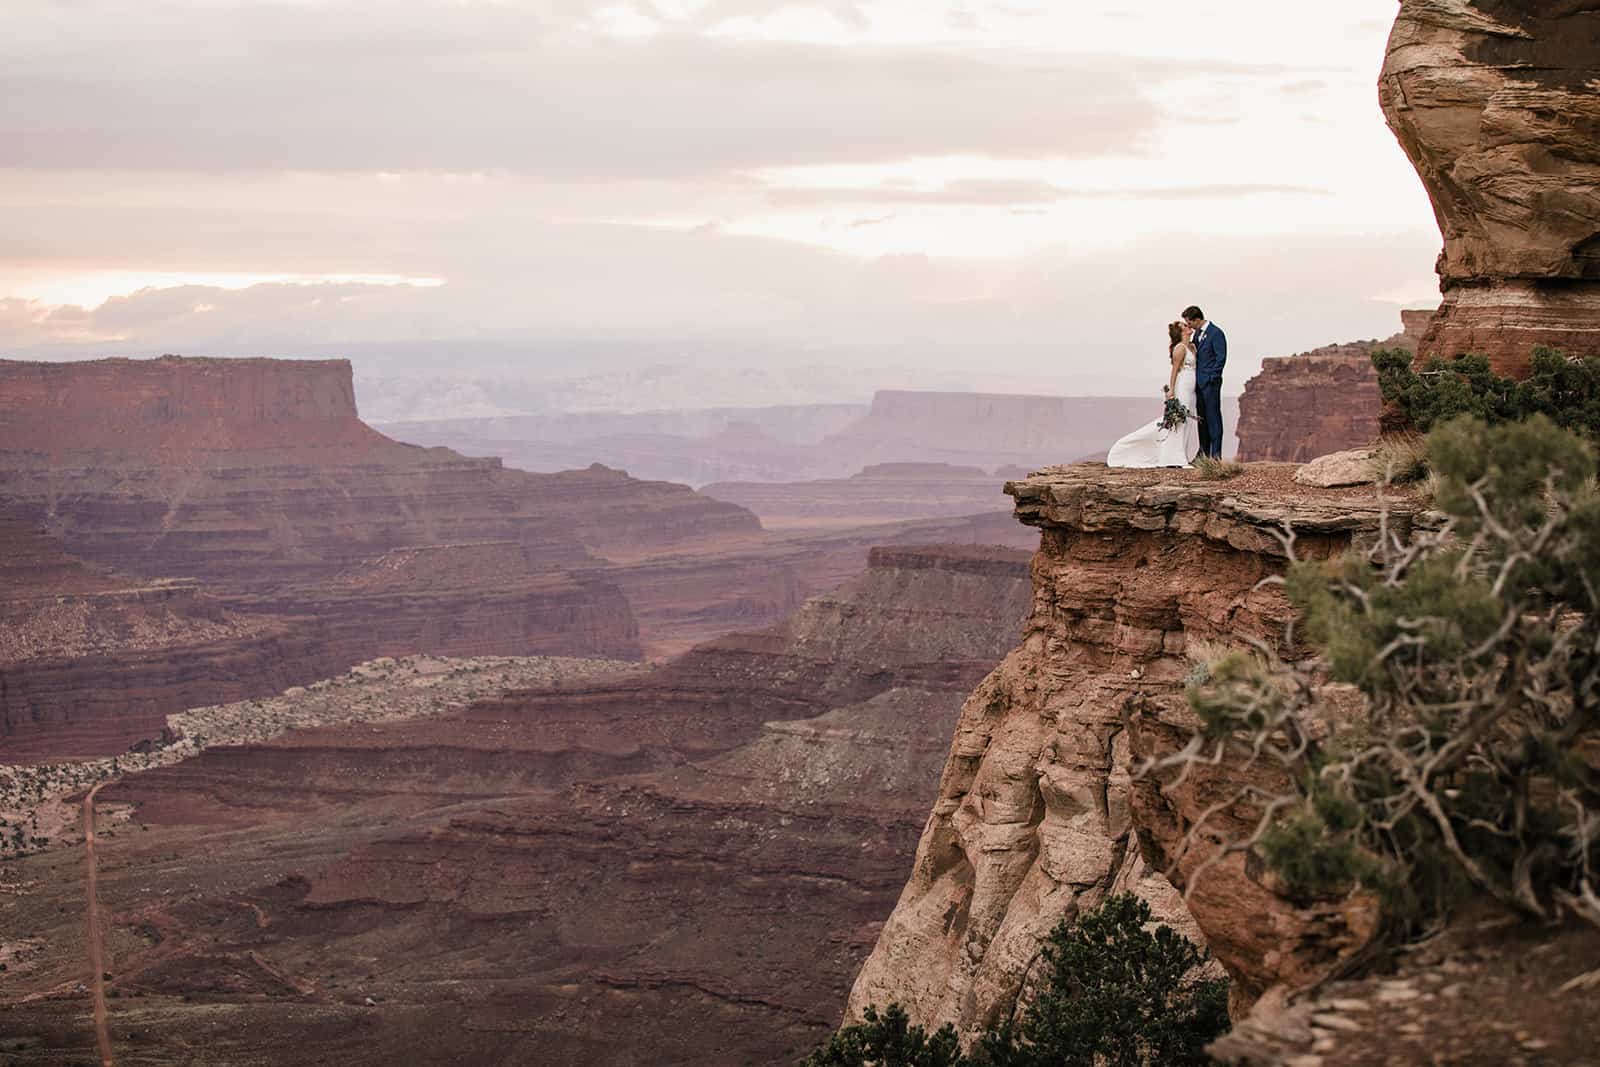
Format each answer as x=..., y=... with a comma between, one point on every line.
x=1208, y=402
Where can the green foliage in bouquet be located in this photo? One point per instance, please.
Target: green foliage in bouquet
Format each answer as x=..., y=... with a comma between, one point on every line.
x=1174, y=414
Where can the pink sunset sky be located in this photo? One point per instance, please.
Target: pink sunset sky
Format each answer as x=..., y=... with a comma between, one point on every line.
x=1024, y=187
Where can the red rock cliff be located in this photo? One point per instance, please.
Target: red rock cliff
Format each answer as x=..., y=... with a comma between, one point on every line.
x=1495, y=103
x=250, y=473
x=1326, y=400
x=90, y=662
x=1037, y=816
x=176, y=407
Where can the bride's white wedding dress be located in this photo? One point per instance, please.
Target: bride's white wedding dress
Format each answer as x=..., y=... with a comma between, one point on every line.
x=1152, y=446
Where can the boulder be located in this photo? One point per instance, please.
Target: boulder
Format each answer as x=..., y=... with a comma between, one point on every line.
x=1353, y=467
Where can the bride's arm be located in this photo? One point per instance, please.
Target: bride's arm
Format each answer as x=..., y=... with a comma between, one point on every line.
x=1178, y=352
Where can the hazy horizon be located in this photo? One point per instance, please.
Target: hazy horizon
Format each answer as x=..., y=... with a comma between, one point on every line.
x=765, y=198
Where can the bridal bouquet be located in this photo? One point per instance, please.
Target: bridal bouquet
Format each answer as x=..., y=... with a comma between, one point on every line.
x=1174, y=414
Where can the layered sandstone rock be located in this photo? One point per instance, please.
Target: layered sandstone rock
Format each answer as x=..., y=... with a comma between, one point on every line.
x=1495, y=103
x=1326, y=400
x=462, y=600
x=708, y=845
x=320, y=542
x=91, y=662
x=251, y=473
x=682, y=599
x=1037, y=816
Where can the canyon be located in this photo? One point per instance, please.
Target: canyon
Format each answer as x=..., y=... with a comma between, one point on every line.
x=678, y=864
x=1494, y=104
x=438, y=760
x=248, y=497
x=822, y=444
x=91, y=662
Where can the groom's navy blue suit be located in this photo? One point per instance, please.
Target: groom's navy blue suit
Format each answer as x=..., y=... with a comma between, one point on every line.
x=1211, y=355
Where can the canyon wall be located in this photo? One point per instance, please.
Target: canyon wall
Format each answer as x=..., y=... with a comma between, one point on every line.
x=1318, y=402
x=1038, y=816
x=677, y=865
x=250, y=473
x=227, y=527
x=1494, y=103
x=91, y=661
x=178, y=407
x=462, y=600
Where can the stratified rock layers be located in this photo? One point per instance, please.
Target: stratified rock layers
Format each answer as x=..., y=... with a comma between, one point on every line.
x=1495, y=103
x=682, y=865
x=1327, y=400
x=1037, y=816
x=90, y=662
x=1302, y=407
x=317, y=542
x=253, y=473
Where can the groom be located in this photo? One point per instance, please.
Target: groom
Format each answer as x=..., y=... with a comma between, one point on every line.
x=1211, y=355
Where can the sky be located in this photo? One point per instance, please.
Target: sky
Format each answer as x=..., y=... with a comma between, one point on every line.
x=1010, y=192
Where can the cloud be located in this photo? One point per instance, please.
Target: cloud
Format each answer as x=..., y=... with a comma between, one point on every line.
x=1072, y=321
x=1001, y=192
x=247, y=87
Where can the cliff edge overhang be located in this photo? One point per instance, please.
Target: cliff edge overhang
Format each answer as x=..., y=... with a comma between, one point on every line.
x=1040, y=812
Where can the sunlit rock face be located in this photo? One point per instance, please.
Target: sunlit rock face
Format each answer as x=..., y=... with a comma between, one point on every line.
x=1039, y=813
x=1497, y=102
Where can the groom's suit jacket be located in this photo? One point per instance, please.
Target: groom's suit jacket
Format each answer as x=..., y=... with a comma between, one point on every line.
x=1211, y=355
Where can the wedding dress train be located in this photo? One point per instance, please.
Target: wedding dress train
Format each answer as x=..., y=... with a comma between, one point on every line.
x=1153, y=446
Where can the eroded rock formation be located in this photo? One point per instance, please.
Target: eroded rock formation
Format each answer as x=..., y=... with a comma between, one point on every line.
x=1326, y=400
x=1037, y=816
x=1495, y=103
x=709, y=845
x=252, y=473
x=92, y=661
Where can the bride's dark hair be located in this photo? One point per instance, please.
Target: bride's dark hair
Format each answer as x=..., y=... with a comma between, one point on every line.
x=1174, y=335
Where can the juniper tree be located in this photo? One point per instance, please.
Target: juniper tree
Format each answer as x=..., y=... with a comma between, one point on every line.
x=1116, y=990
x=1476, y=762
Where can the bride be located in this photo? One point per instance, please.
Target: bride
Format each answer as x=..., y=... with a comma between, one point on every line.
x=1154, y=444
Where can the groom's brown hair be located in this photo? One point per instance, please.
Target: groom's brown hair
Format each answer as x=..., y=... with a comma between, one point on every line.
x=1191, y=313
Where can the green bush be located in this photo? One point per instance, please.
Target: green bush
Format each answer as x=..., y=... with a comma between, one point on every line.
x=1115, y=994
x=1112, y=993
x=1476, y=762
x=1567, y=391
x=888, y=1039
